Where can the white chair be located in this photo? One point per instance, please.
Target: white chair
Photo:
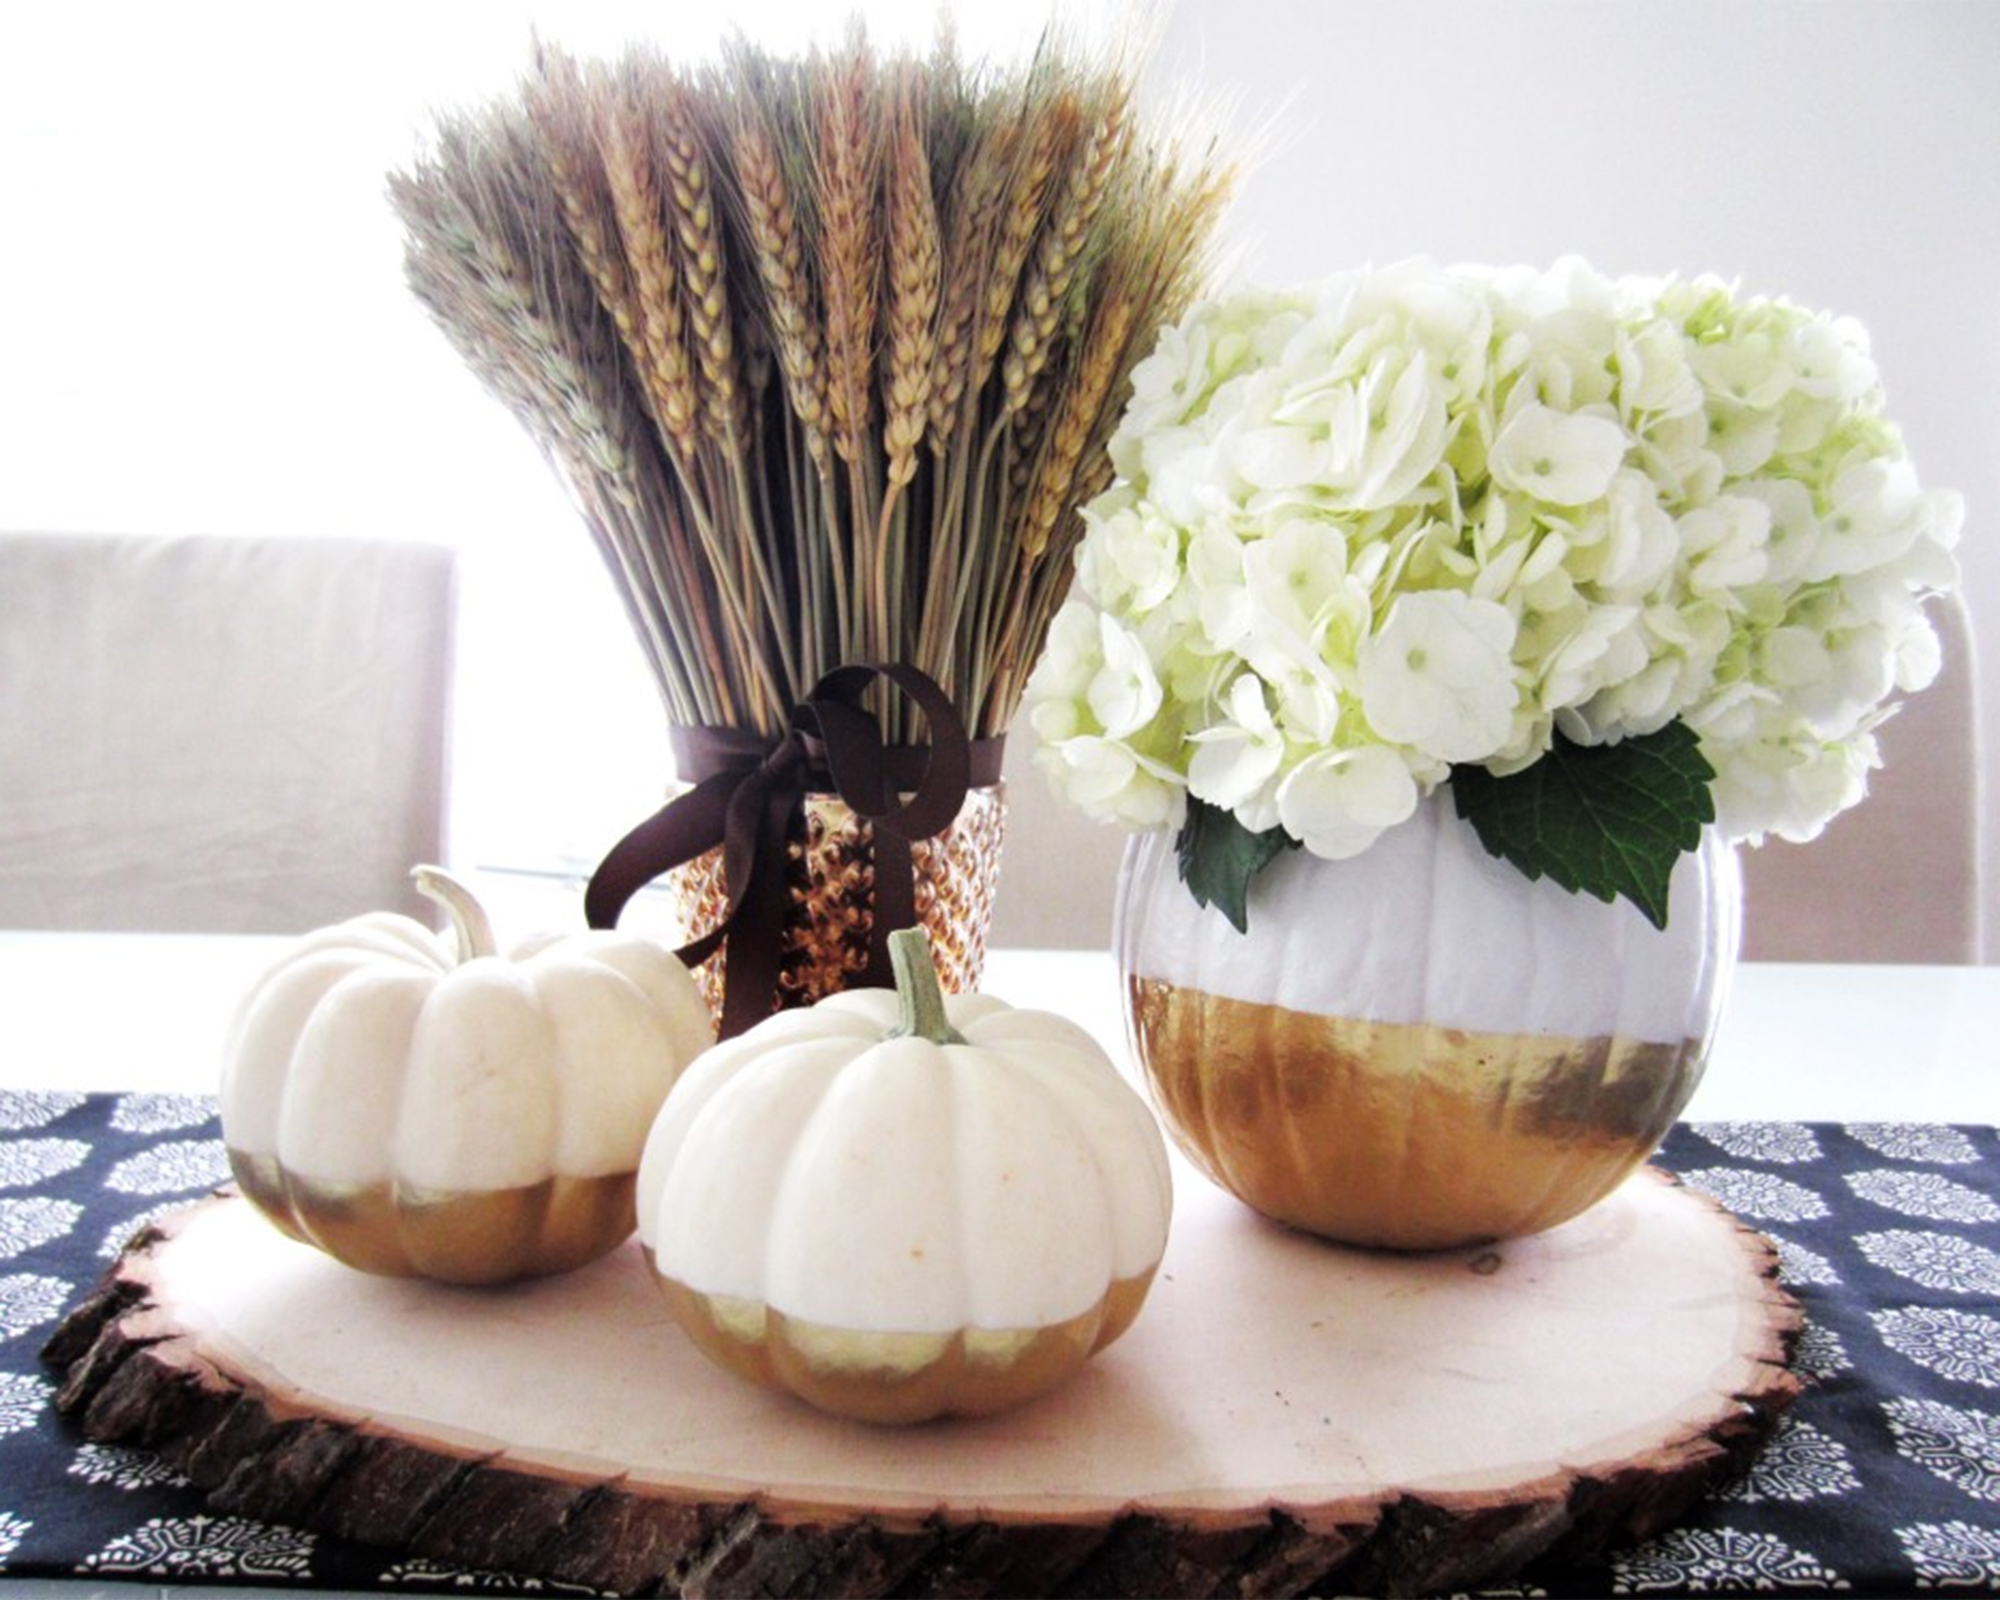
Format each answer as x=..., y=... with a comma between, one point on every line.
x=1896, y=879
x=219, y=734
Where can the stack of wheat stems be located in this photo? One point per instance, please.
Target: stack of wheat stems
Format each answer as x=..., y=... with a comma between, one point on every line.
x=827, y=349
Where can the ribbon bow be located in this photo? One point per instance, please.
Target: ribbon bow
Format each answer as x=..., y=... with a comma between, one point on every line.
x=747, y=794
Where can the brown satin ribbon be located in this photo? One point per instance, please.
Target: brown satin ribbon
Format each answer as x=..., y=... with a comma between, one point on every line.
x=748, y=797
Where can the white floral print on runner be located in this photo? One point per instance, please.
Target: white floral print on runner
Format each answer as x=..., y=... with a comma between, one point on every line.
x=28, y=1299
x=1960, y=1345
x=1934, y=1260
x=1701, y=1560
x=169, y=1168
x=1758, y=1194
x=206, y=1547
x=1915, y=1141
x=1961, y=1447
x=1778, y=1143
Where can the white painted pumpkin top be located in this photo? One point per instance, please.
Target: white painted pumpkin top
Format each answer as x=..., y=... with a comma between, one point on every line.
x=1426, y=926
x=371, y=1053
x=904, y=1186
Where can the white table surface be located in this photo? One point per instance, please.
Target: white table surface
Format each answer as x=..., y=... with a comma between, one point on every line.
x=1798, y=1042
x=1807, y=1043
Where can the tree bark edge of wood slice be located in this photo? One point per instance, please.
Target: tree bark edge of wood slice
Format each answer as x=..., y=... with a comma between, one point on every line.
x=130, y=1375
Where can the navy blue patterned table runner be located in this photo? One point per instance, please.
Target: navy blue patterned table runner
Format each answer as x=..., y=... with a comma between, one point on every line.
x=1885, y=1479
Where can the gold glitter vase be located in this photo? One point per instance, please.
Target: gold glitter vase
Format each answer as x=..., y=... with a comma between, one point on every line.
x=830, y=872
x=1420, y=1047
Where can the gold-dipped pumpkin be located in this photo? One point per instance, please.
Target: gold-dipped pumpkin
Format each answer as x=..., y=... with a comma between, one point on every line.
x=900, y=1206
x=417, y=1105
x=1421, y=1047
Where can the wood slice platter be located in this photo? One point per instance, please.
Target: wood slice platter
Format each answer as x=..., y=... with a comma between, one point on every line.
x=1286, y=1415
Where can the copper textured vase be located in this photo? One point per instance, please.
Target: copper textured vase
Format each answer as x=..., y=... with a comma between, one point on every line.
x=830, y=872
x=1421, y=1047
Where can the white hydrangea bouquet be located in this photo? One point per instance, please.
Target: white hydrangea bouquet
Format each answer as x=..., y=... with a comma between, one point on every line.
x=1613, y=558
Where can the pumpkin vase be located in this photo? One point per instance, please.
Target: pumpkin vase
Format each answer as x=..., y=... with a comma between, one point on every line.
x=1421, y=1047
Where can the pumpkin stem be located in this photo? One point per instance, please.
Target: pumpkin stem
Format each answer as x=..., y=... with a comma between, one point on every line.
x=920, y=999
x=468, y=917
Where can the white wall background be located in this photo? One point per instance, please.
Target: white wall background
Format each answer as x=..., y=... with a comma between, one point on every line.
x=203, y=325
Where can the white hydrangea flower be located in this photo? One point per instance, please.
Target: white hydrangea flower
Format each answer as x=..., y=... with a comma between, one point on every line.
x=1789, y=786
x=1369, y=529
x=1237, y=758
x=1339, y=802
x=1740, y=440
x=1603, y=647
x=1655, y=375
x=1293, y=573
x=1566, y=459
x=1792, y=536
x=1123, y=694
x=1437, y=677
x=1830, y=359
x=1919, y=658
x=1875, y=516
x=1132, y=559
x=1722, y=543
x=1071, y=657
x=1114, y=783
x=1752, y=370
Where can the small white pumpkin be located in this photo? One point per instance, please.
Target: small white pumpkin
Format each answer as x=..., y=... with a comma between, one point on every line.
x=899, y=1206
x=417, y=1105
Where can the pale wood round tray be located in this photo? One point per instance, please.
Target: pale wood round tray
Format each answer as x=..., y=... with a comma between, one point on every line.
x=1286, y=1415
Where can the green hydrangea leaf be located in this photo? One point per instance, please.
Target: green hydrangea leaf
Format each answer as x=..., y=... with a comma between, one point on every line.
x=1219, y=857
x=1603, y=820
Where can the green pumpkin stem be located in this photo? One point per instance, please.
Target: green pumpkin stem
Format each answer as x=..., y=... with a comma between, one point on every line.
x=468, y=917
x=919, y=997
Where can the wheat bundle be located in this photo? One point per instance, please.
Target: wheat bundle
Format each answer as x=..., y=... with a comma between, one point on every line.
x=827, y=349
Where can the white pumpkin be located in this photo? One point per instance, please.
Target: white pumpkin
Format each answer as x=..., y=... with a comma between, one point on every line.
x=416, y=1104
x=1420, y=1046
x=899, y=1206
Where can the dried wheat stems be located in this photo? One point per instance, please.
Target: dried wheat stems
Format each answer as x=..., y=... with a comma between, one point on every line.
x=827, y=349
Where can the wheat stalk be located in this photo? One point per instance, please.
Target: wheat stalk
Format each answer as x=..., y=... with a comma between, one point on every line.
x=698, y=231
x=847, y=174
x=914, y=285
x=626, y=152
x=556, y=97
x=1049, y=129
x=980, y=193
x=778, y=252
x=1058, y=254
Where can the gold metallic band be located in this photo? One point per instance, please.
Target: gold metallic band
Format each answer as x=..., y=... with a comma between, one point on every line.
x=1403, y=1135
x=471, y=1238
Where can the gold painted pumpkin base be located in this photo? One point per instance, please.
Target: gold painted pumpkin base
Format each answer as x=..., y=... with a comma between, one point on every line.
x=887, y=1377
x=486, y=1237
x=1405, y=1136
